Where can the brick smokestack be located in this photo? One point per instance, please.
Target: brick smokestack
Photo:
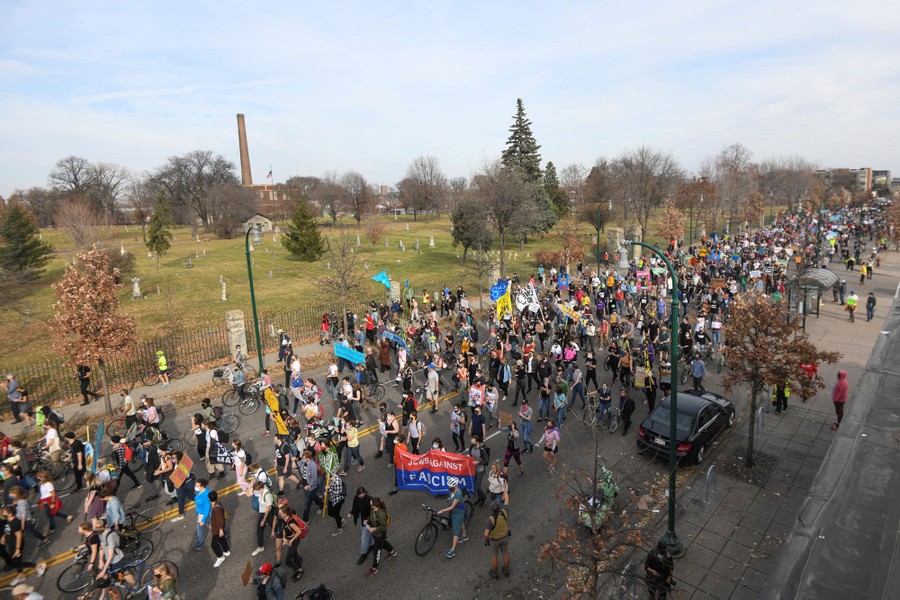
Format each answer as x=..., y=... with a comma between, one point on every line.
x=246, y=177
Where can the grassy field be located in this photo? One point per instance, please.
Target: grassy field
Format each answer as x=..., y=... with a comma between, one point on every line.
x=189, y=299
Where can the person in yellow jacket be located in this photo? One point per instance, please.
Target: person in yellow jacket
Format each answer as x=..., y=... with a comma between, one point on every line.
x=852, y=301
x=163, y=367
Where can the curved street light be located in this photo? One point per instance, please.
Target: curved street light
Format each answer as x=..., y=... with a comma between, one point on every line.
x=259, y=348
x=670, y=538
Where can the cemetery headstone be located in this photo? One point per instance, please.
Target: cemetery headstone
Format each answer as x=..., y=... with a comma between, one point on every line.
x=136, y=287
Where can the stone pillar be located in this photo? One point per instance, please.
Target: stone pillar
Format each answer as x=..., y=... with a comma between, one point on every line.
x=633, y=233
x=237, y=333
x=136, y=288
x=493, y=274
x=614, y=237
x=431, y=242
x=417, y=243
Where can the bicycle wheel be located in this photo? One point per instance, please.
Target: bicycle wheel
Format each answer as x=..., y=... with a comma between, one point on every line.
x=376, y=392
x=231, y=397
x=228, y=424
x=75, y=578
x=150, y=377
x=178, y=371
x=614, y=421
x=249, y=371
x=107, y=593
x=172, y=445
x=720, y=364
x=427, y=539
x=684, y=376
x=219, y=379
x=190, y=436
x=138, y=548
x=63, y=476
x=149, y=519
x=470, y=510
x=248, y=406
x=116, y=427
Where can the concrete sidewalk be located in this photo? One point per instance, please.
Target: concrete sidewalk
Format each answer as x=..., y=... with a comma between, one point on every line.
x=735, y=541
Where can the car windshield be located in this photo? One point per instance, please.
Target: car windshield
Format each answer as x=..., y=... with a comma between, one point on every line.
x=660, y=422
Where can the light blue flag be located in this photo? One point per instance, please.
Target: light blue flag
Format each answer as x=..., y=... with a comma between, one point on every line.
x=349, y=354
x=97, y=447
x=383, y=278
x=393, y=337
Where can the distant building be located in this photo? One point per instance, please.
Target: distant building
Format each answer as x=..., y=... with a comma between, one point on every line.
x=853, y=180
x=259, y=222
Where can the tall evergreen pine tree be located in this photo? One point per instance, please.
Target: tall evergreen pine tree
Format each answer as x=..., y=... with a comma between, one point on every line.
x=303, y=238
x=556, y=194
x=521, y=148
x=159, y=238
x=22, y=253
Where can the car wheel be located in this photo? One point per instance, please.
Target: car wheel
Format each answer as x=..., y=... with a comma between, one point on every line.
x=701, y=454
x=730, y=418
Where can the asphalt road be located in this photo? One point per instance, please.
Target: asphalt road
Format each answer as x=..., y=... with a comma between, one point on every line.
x=536, y=510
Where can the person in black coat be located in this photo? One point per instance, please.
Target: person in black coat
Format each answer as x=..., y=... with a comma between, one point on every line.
x=626, y=405
x=152, y=463
x=359, y=512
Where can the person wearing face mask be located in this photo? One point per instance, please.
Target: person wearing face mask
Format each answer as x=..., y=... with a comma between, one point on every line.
x=550, y=441
x=359, y=512
x=458, y=427
x=437, y=444
x=457, y=509
x=203, y=507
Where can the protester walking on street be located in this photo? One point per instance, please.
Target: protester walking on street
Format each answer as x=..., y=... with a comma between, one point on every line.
x=852, y=302
x=870, y=306
x=839, y=398
x=379, y=521
x=550, y=442
x=359, y=512
x=698, y=370
x=217, y=530
x=496, y=535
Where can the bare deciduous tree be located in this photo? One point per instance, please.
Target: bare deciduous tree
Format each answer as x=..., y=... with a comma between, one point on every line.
x=41, y=202
x=76, y=217
x=425, y=186
x=72, y=175
x=231, y=204
x=188, y=180
x=375, y=229
x=343, y=281
x=141, y=195
x=331, y=196
x=508, y=201
x=643, y=178
x=360, y=199
x=572, y=180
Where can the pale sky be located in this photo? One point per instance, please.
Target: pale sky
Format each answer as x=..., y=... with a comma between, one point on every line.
x=369, y=86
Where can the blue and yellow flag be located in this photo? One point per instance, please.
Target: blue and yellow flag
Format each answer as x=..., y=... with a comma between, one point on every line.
x=504, y=302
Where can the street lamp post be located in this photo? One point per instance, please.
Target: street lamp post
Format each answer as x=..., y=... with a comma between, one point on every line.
x=259, y=348
x=599, y=208
x=673, y=544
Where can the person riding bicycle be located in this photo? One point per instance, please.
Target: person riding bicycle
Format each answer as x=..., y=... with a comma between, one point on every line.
x=239, y=357
x=112, y=559
x=702, y=341
x=163, y=367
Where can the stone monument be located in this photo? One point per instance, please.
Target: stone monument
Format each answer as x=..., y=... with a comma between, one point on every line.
x=431, y=241
x=633, y=233
x=237, y=333
x=189, y=264
x=136, y=288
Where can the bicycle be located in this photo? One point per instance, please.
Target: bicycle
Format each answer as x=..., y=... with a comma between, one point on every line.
x=615, y=419
x=720, y=361
x=627, y=584
x=119, y=427
x=146, y=520
x=61, y=469
x=226, y=373
x=233, y=397
x=78, y=575
x=117, y=587
x=227, y=423
x=427, y=538
x=175, y=371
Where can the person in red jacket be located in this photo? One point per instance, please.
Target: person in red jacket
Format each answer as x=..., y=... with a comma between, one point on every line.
x=839, y=397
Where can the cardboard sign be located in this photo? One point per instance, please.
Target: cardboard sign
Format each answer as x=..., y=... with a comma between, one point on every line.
x=718, y=283
x=181, y=471
x=248, y=571
x=506, y=418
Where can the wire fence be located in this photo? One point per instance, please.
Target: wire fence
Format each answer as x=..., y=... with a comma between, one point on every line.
x=52, y=381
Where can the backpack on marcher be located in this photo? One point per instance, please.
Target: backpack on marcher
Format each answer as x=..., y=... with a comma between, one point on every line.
x=58, y=416
x=301, y=525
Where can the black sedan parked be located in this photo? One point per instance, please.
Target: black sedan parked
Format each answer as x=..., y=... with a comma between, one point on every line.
x=701, y=417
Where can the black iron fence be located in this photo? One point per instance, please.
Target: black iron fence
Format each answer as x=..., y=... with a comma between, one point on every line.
x=52, y=381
